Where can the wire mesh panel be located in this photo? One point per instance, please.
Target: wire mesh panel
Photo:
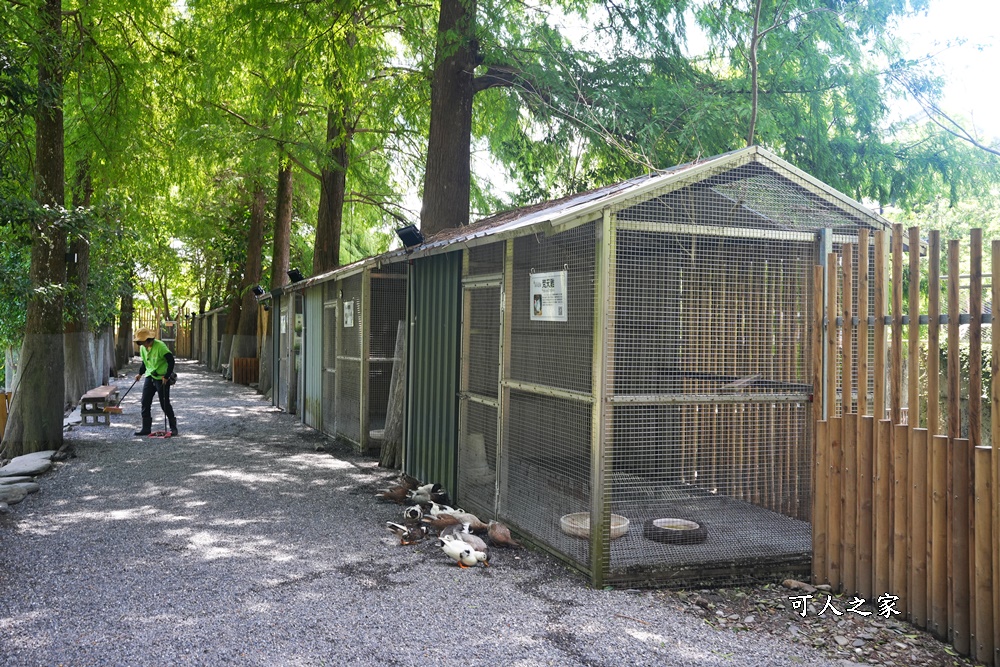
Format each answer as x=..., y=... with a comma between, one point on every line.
x=709, y=385
x=479, y=396
x=330, y=310
x=388, y=309
x=485, y=259
x=284, y=336
x=550, y=347
x=546, y=451
x=203, y=327
x=545, y=474
x=349, y=360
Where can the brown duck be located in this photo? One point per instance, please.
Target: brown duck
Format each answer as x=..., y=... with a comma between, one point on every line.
x=499, y=535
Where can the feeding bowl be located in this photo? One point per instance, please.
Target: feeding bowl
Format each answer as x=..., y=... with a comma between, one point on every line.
x=675, y=531
x=578, y=524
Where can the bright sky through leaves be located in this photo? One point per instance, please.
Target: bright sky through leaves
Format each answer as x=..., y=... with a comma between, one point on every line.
x=964, y=35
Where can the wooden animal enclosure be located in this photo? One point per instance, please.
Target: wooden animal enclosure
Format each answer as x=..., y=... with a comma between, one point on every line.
x=905, y=493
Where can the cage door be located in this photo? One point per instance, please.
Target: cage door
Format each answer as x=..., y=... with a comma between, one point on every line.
x=479, y=396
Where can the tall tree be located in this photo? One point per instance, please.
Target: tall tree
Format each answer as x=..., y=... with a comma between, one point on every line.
x=36, y=413
x=447, y=176
x=245, y=342
x=282, y=225
x=79, y=368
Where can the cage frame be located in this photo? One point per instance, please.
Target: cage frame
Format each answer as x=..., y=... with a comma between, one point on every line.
x=601, y=209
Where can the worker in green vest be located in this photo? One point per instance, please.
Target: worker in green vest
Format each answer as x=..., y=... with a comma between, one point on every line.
x=157, y=365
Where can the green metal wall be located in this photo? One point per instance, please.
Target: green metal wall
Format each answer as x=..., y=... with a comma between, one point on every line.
x=432, y=383
x=312, y=361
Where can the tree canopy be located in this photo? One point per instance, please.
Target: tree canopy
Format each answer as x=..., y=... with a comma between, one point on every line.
x=153, y=132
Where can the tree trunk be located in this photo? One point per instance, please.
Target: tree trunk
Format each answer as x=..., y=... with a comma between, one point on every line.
x=123, y=349
x=448, y=177
x=36, y=415
x=79, y=370
x=282, y=226
x=333, y=189
x=232, y=322
x=245, y=341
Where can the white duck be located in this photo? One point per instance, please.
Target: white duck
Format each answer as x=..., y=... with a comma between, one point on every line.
x=462, y=553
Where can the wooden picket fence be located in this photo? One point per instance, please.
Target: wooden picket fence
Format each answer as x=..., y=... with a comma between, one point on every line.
x=906, y=498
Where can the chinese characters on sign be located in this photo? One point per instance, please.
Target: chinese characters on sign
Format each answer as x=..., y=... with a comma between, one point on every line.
x=348, y=314
x=886, y=605
x=548, y=296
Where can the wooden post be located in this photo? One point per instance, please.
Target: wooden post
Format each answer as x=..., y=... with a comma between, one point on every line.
x=819, y=512
x=866, y=458
x=835, y=493
x=878, y=400
x=896, y=351
x=863, y=329
x=976, y=338
x=866, y=428
x=913, y=342
x=953, y=416
x=883, y=498
x=934, y=333
x=849, y=490
x=831, y=336
x=983, y=552
x=938, y=590
x=995, y=432
x=918, y=525
x=849, y=494
x=961, y=488
x=847, y=331
x=900, y=527
x=818, y=334
x=975, y=403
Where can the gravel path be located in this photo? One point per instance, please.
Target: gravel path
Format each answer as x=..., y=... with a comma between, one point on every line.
x=249, y=540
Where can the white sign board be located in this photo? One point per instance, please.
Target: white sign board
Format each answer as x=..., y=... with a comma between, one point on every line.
x=548, y=296
x=348, y=314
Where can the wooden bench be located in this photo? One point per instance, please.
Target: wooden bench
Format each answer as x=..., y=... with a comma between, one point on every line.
x=92, y=405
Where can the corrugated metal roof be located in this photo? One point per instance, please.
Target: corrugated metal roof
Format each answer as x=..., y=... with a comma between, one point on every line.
x=557, y=211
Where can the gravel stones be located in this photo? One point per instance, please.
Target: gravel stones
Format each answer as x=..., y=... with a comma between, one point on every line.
x=254, y=540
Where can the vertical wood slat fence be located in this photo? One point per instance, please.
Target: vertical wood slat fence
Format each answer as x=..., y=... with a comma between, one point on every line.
x=150, y=318
x=906, y=496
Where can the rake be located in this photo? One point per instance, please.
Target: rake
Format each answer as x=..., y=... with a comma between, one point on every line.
x=116, y=409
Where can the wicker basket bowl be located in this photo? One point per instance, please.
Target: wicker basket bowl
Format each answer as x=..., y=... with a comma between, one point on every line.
x=578, y=525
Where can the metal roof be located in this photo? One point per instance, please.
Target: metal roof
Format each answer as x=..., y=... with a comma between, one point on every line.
x=589, y=205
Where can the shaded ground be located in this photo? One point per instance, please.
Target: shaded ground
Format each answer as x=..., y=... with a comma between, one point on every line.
x=252, y=540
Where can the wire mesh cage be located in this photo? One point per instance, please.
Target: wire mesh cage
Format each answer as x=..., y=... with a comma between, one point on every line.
x=649, y=369
x=331, y=302
x=349, y=344
x=386, y=335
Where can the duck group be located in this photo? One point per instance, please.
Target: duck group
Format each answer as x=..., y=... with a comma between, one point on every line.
x=462, y=536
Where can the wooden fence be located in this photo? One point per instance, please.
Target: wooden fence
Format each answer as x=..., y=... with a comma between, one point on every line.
x=906, y=496
x=177, y=334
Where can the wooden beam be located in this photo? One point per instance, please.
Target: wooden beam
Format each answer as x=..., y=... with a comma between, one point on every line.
x=896, y=349
x=918, y=525
x=900, y=511
x=940, y=604
x=866, y=486
x=878, y=400
x=983, y=552
x=913, y=341
x=934, y=333
x=961, y=485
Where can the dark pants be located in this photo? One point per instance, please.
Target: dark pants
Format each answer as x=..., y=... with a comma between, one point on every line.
x=149, y=388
